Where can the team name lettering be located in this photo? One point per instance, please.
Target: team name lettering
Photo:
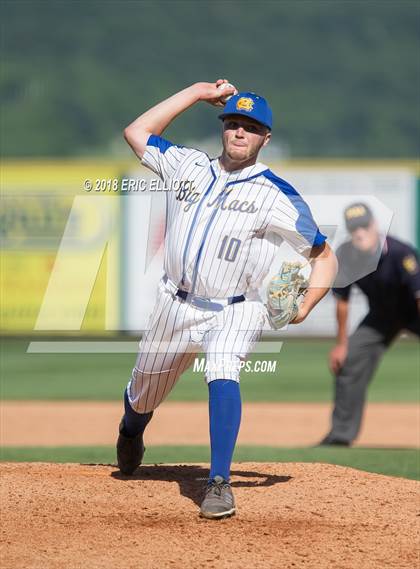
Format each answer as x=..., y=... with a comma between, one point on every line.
x=187, y=194
x=244, y=207
x=234, y=205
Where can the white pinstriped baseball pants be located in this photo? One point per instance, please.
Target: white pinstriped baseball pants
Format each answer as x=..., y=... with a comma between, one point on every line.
x=177, y=331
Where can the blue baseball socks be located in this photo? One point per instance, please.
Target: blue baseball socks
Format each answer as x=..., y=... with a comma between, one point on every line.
x=225, y=418
x=134, y=423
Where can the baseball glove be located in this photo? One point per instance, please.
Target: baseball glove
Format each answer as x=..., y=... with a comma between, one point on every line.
x=283, y=292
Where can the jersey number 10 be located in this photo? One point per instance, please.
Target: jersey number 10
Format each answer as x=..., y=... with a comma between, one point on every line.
x=232, y=250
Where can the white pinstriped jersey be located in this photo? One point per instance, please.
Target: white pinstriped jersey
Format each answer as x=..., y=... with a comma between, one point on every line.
x=223, y=228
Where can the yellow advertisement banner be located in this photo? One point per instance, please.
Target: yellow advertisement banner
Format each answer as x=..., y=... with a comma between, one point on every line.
x=59, y=264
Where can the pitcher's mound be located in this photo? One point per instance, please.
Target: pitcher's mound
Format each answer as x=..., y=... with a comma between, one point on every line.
x=288, y=516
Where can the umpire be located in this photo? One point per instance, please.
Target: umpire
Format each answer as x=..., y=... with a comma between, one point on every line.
x=388, y=274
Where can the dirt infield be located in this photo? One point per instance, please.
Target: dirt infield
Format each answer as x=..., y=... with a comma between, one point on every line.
x=58, y=423
x=289, y=516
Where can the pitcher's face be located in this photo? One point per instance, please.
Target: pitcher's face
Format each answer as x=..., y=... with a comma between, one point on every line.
x=243, y=138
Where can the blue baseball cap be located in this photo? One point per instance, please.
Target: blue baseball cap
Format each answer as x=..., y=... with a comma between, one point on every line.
x=249, y=105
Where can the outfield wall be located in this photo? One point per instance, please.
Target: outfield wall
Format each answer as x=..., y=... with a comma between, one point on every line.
x=83, y=262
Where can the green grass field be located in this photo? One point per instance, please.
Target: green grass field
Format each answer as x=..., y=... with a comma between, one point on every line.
x=301, y=375
x=393, y=462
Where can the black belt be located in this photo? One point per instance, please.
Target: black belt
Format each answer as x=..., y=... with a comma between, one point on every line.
x=204, y=303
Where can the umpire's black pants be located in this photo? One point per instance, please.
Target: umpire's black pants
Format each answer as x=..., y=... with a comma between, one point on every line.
x=366, y=348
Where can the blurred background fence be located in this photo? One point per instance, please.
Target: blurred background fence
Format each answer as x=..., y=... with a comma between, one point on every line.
x=88, y=262
x=342, y=78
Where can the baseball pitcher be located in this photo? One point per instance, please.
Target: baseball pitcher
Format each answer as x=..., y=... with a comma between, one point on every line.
x=225, y=220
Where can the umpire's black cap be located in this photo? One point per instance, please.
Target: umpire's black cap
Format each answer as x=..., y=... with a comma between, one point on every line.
x=357, y=215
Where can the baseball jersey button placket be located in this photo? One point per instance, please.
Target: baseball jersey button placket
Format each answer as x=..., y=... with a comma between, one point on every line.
x=194, y=223
x=224, y=184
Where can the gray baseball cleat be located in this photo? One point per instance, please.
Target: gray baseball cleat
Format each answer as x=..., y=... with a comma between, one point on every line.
x=130, y=451
x=218, y=501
